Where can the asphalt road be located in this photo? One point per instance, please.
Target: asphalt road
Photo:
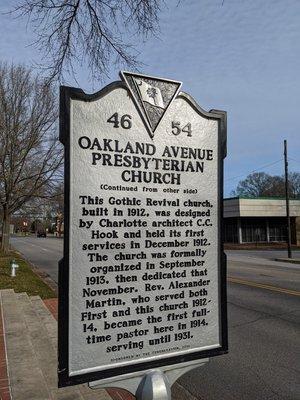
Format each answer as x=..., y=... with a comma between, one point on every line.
x=42, y=252
x=263, y=362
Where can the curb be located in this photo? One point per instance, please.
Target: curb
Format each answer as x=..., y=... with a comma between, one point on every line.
x=288, y=260
x=41, y=274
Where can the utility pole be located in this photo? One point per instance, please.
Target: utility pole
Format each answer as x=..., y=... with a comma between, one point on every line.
x=287, y=201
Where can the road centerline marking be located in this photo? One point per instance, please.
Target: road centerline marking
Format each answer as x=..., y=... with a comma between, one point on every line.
x=263, y=286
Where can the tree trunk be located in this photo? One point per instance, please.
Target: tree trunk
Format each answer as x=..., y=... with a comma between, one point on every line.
x=5, y=231
x=59, y=228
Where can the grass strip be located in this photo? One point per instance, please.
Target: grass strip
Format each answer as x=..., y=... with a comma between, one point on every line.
x=25, y=280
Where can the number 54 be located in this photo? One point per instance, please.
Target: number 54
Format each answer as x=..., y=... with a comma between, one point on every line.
x=176, y=128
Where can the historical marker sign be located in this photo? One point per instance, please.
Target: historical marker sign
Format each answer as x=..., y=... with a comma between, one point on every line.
x=142, y=282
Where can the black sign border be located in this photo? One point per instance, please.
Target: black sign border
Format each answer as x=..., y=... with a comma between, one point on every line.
x=66, y=94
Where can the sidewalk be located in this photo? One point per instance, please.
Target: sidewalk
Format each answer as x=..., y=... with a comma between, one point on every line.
x=4, y=384
x=28, y=354
x=116, y=394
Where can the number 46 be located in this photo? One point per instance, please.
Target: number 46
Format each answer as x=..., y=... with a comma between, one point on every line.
x=176, y=129
x=124, y=121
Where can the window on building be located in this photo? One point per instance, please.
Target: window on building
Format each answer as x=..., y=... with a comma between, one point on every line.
x=231, y=230
x=254, y=230
x=278, y=230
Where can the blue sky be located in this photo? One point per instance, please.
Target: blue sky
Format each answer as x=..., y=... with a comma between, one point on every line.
x=241, y=56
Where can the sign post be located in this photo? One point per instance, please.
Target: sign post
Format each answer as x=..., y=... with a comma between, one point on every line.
x=142, y=285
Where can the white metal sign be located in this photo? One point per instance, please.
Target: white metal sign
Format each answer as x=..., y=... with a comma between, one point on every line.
x=142, y=283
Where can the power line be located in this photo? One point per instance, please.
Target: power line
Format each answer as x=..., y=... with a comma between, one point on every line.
x=293, y=160
x=255, y=170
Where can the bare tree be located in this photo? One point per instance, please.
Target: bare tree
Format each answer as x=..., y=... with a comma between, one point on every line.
x=89, y=32
x=260, y=184
x=54, y=207
x=30, y=154
x=254, y=185
x=294, y=184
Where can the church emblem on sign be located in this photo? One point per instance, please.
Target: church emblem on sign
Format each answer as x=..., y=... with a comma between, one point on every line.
x=152, y=96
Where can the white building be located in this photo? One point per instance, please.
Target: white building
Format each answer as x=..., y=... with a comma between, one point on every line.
x=260, y=220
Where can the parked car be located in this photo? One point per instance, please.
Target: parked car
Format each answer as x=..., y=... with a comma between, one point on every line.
x=41, y=234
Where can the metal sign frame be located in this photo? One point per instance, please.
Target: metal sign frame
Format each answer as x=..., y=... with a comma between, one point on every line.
x=64, y=379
